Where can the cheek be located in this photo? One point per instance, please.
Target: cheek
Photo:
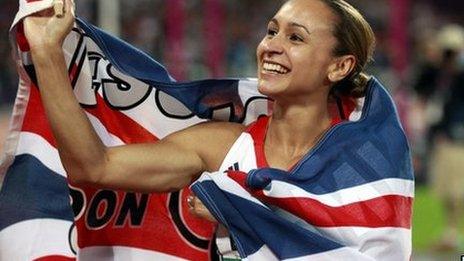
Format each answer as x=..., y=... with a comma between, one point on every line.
x=314, y=62
x=312, y=71
x=260, y=49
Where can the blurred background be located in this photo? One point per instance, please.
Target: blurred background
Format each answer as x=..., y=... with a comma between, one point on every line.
x=419, y=57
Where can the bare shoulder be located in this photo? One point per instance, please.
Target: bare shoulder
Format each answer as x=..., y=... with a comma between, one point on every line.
x=226, y=128
x=214, y=131
x=211, y=140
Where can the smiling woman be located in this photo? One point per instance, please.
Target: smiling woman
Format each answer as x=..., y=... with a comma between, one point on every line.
x=313, y=54
x=349, y=38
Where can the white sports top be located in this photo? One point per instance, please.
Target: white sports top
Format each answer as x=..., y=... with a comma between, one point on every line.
x=246, y=153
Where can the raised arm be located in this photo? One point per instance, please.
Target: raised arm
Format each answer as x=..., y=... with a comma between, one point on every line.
x=163, y=166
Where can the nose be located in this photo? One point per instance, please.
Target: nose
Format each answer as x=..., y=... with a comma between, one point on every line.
x=272, y=45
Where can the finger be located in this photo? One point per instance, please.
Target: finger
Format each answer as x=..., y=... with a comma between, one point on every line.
x=197, y=202
x=194, y=205
x=70, y=11
x=197, y=211
x=190, y=202
x=58, y=7
x=69, y=7
x=191, y=208
x=73, y=8
x=68, y=14
x=200, y=210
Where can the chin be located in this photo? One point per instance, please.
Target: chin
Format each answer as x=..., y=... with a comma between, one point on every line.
x=269, y=87
x=268, y=91
x=264, y=89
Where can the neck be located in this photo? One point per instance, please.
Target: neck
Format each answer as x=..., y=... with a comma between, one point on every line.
x=296, y=128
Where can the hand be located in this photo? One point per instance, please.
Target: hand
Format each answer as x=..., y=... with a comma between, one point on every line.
x=46, y=30
x=197, y=209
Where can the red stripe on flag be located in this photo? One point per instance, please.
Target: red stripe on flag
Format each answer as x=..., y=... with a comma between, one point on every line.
x=119, y=124
x=21, y=38
x=35, y=119
x=385, y=211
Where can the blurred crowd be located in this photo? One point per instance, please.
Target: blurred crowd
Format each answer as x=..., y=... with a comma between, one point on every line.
x=419, y=56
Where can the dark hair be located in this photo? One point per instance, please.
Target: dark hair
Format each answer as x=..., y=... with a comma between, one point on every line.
x=354, y=36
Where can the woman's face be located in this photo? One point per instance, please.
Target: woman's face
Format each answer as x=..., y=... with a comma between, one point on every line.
x=295, y=56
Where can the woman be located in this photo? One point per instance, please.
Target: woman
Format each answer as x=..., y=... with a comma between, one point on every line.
x=299, y=60
x=314, y=50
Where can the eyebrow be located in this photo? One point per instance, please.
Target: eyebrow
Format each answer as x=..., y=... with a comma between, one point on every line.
x=292, y=24
x=301, y=26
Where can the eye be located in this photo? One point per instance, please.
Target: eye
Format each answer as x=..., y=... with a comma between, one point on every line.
x=296, y=38
x=271, y=32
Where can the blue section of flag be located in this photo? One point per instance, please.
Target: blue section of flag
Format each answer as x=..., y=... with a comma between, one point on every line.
x=30, y=190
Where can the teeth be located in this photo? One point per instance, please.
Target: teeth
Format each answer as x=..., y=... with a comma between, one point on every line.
x=274, y=68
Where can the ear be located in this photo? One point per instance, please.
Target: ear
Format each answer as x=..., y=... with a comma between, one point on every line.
x=341, y=67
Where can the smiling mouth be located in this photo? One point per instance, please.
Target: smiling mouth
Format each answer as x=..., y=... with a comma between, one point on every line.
x=274, y=68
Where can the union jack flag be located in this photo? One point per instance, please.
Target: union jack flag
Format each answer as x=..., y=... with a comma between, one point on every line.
x=349, y=198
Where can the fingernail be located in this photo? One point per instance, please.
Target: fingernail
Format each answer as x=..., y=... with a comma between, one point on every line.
x=58, y=7
x=190, y=201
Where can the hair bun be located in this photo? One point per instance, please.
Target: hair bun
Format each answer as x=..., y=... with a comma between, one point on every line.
x=359, y=84
x=354, y=86
x=360, y=80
